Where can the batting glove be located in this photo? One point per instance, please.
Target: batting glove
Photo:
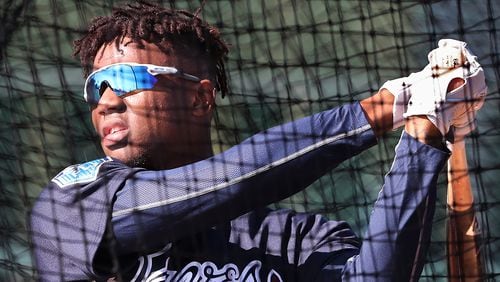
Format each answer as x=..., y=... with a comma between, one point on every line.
x=457, y=107
x=401, y=89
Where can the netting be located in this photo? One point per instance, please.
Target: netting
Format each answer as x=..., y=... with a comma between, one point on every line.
x=288, y=59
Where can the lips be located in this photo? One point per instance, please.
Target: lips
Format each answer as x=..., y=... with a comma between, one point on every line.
x=114, y=133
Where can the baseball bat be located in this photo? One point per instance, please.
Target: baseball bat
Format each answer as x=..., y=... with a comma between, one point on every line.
x=464, y=254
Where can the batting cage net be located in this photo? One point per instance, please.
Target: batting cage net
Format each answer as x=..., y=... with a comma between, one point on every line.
x=288, y=59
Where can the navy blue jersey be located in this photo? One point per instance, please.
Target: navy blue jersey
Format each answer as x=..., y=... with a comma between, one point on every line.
x=205, y=221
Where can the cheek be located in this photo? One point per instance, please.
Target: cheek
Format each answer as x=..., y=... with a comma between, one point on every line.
x=156, y=115
x=149, y=104
x=166, y=107
x=94, y=116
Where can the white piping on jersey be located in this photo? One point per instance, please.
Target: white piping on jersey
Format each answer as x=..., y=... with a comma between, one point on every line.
x=247, y=175
x=141, y=265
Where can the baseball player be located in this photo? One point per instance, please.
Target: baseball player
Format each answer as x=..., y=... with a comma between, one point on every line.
x=161, y=207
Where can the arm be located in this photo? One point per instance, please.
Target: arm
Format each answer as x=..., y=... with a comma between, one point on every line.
x=465, y=260
x=399, y=230
x=276, y=157
x=378, y=110
x=459, y=195
x=400, y=226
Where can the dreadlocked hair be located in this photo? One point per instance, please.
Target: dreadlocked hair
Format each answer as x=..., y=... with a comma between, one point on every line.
x=144, y=21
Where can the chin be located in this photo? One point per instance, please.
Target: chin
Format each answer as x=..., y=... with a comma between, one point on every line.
x=138, y=162
x=132, y=158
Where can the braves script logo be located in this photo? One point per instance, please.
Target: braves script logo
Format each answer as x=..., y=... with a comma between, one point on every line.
x=202, y=272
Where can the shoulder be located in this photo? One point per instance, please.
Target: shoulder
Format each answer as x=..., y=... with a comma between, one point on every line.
x=80, y=173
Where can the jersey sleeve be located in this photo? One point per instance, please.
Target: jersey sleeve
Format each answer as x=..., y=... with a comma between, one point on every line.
x=400, y=225
x=155, y=207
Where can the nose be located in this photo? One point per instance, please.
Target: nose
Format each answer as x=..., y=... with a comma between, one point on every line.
x=110, y=102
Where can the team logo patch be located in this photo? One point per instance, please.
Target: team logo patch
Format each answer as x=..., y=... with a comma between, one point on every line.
x=80, y=173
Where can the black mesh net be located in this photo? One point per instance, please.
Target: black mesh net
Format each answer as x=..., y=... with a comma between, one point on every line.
x=288, y=59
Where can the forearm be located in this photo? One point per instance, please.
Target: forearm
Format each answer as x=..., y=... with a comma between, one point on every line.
x=423, y=130
x=400, y=225
x=378, y=110
x=268, y=167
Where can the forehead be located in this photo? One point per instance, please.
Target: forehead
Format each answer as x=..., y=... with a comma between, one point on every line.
x=128, y=51
x=178, y=54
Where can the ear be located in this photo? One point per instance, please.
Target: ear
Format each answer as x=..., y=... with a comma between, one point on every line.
x=204, y=100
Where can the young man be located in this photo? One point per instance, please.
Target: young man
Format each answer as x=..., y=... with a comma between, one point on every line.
x=161, y=207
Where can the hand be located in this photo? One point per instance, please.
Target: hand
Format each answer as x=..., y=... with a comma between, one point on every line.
x=400, y=89
x=445, y=106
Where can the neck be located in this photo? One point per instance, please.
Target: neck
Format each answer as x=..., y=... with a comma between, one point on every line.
x=175, y=160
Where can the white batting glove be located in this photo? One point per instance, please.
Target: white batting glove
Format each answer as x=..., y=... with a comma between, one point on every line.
x=429, y=96
x=400, y=88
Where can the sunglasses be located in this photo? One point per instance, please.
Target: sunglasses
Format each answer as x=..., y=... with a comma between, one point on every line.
x=124, y=78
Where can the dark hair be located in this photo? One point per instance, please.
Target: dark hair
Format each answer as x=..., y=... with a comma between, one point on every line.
x=160, y=26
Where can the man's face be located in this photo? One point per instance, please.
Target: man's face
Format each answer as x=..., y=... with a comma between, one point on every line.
x=159, y=128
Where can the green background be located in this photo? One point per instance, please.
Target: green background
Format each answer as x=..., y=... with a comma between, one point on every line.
x=288, y=59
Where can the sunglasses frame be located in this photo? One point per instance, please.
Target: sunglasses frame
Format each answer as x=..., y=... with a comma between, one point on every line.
x=154, y=70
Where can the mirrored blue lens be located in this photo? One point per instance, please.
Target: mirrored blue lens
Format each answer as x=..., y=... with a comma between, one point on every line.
x=122, y=79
